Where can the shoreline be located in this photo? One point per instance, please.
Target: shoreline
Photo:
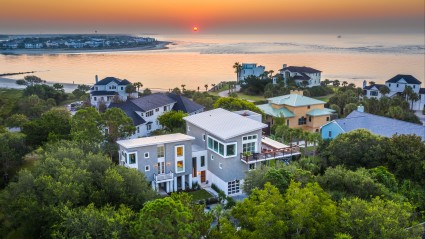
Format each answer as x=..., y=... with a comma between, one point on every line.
x=159, y=45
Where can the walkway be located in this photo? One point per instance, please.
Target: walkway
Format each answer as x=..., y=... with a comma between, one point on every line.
x=420, y=116
x=225, y=93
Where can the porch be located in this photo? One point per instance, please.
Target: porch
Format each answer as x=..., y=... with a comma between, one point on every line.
x=270, y=149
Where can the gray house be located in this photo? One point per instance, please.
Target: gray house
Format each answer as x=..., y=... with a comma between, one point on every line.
x=219, y=148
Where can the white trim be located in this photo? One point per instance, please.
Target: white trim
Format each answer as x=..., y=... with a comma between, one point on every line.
x=146, y=153
x=179, y=158
x=224, y=155
x=147, y=168
x=133, y=165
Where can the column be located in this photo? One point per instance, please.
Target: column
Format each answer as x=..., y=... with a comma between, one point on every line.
x=153, y=185
x=190, y=181
x=175, y=184
x=183, y=182
x=167, y=187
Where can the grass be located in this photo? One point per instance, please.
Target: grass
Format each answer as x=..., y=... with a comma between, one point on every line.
x=200, y=195
x=324, y=98
x=250, y=97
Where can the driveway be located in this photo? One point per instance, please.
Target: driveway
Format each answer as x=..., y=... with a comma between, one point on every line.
x=226, y=92
x=420, y=116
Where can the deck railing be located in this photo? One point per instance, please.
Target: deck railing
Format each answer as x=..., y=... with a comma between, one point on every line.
x=270, y=154
x=164, y=177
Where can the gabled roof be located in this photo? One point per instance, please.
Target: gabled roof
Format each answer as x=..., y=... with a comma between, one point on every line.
x=300, y=69
x=130, y=110
x=154, y=140
x=269, y=110
x=152, y=101
x=294, y=100
x=422, y=91
x=408, y=78
x=103, y=92
x=110, y=79
x=369, y=87
x=224, y=124
x=302, y=77
x=379, y=125
x=184, y=104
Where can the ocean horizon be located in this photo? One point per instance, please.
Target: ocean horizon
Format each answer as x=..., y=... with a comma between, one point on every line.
x=198, y=59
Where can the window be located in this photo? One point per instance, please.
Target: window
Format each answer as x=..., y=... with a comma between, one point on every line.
x=141, y=114
x=309, y=119
x=330, y=134
x=221, y=148
x=179, y=151
x=251, y=166
x=389, y=85
x=180, y=166
x=132, y=158
x=374, y=93
x=414, y=86
x=210, y=142
x=149, y=113
x=138, y=129
x=233, y=187
x=160, y=151
x=231, y=150
x=165, y=108
x=194, y=168
x=248, y=147
x=202, y=161
x=397, y=85
x=327, y=118
x=122, y=88
x=147, y=168
x=302, y=120
x=249, y=143
x=203, y=137
x=157, y=109
x=95, y=98
x=308, y=107
x=148, y=127
x=96, y=88
x=146, y=155
x=212, y=157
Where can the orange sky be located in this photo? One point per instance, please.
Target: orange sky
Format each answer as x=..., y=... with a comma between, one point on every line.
x=169, y=14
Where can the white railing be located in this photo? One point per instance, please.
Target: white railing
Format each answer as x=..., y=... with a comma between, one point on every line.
x=164, y=177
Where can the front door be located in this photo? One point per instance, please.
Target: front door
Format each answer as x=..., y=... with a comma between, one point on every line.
x=203, y=176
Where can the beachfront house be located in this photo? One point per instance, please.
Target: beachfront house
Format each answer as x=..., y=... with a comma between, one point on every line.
x=376, y=124
x=396, y=85
x=219, y=147
x=108, y=90
x=144, y=111
x=301, y=74
x=298, y=111
x=250, y=69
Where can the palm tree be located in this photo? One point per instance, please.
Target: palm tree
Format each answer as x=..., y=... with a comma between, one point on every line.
x=372, y=82
x=213, y=86
x=298, y=132
x=183, y=87
x=271, y=73
x=315, y=137
x=344, y=83
x=327, y=82
x=384, y=90
x=129, y=89
x=238, y=68
x=138, y=85
x=413, y=98
x=198, y=88
x=336, y=83
x=307, y=136
x=206, y=87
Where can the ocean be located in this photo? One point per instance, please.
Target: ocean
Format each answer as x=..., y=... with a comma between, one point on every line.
x=198, y=59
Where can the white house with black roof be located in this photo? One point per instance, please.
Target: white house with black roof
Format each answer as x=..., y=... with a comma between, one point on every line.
x=108, y=90
x=301, y=74
x=144, y=111
x=250, y=69
x=397, y=85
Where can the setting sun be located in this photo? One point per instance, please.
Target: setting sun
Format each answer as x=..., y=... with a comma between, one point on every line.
x=195, y=29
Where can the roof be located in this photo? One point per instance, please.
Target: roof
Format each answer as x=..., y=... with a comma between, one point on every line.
x=269, y=110
x=300, y=69
x=379, y=125
x=223, y=123
x=294, y=100
x=154, y=140
x=302, y=77
x=273, y=143
x=108, y=80
x=378, y=86
x=184, y=104
x=408, y=78
x=422, y=91
x=319, y=112
x=124, y=82
x=152, y=101
x=130, y=110
x=103, y=92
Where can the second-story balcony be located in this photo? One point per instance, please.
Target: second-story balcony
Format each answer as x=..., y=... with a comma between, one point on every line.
x=164, y=177
x=270, y=149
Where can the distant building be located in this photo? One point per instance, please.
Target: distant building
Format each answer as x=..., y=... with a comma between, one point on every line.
x=378, y=125
x=299, y=111
x=33, y=45
x=301, y=74
x=397, y=84
x=250, y=69
x=108, y=90
x=144, y=111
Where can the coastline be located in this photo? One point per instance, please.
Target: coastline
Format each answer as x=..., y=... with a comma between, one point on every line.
x=159, y=45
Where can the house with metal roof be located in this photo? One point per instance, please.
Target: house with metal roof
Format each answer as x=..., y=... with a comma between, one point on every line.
x=219, y=147
x=110, y=89
x=299, y=111
x=397, y=85
x=301, y=75
x=379, y=125
x=250, y=69
x=144, y=111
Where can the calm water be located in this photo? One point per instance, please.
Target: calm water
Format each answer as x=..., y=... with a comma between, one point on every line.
x=196, y=59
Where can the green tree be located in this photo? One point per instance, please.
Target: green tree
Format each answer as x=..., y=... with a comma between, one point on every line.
x=129, y=89
x=349, y=108
x=30, y=80
x=16, y=120
x=377, y=219
x=58, y=87
x=87, y=127
x=12, y=150
x=171, y=217
x=173, y=121
x=255, y=179
x=147, y=91
x=138, y=85
x=234, y=104
x=384, y=90
x=336, y=83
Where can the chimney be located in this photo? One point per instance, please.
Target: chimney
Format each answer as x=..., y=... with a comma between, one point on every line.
x=364, y=84
x=284, y=66
x=360, y=108
x=97, y=79
x=297, y=92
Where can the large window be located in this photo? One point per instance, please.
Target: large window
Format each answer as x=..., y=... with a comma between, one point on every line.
x=249, y=147
x=160, y=151
x=149, y=113
x=132, y=158
x=225, y=150
x=233, y=187
x=302, y=120
x=179, y=158
x=249, y=143
x=179, y=151
x=374, y=93
x=202, y=161
x=180, y=166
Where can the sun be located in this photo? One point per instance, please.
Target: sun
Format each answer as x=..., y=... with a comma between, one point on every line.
x=195, y=28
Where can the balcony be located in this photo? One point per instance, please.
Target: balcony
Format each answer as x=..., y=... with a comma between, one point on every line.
x=165, y=177
x=268, y=154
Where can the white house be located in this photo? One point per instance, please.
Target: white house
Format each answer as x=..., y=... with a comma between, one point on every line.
x=219, y=147
x=33, y=45
x=250, y=69
x=397, y=85
x=301, y=74
x=108, y=90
